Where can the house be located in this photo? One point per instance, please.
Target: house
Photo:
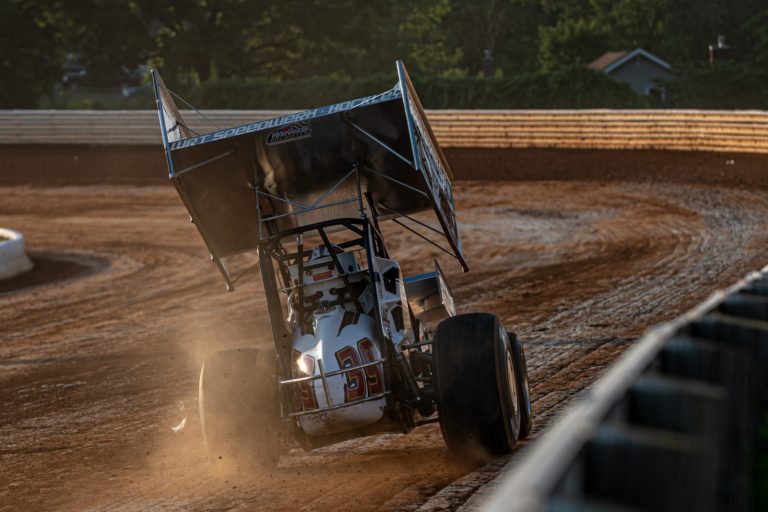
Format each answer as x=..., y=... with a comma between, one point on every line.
x=641, y=70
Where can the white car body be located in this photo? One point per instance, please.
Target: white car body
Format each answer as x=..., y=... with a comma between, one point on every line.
x=342, y=337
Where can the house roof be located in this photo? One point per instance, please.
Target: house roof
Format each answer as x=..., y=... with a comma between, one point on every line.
x=606, y=59
x=613, y=60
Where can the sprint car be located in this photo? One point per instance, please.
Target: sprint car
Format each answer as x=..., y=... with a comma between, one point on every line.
x=361, y=346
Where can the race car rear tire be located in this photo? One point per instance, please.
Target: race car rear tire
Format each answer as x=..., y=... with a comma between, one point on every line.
x=240, y=410
x=474, y=372
x=523, y=392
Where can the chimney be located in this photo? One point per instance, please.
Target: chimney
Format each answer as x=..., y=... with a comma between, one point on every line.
x=720, y=51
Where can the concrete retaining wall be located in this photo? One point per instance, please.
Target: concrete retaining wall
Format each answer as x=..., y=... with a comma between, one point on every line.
x=123, y=147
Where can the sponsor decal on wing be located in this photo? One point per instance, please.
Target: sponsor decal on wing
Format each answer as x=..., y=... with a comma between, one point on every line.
x=289, y=133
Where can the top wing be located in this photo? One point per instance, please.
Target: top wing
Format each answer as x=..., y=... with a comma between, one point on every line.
x=302, y=163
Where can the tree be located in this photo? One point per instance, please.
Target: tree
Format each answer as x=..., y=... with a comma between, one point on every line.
x=582, y=31
x=756, y=40
x=220, y=38
x=425, y=44
x=199, y=41
x=109, y=38
x=572, y=41
x=347, y=38
x=634, y=23
x=479, y=26
x=30, y=59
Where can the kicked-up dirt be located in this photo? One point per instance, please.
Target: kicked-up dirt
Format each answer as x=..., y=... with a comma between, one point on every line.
x=101, y=344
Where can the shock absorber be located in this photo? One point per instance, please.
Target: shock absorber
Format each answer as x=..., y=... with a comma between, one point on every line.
x=406, y=373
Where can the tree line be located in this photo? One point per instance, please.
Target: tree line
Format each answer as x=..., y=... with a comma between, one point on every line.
x=198, y=42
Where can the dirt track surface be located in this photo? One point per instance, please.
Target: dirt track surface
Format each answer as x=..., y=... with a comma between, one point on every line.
x=96, y=368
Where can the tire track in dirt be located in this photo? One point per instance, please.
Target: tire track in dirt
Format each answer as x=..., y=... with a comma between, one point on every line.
x=92, y=370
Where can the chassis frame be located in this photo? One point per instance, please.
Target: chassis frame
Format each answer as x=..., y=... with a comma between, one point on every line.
x=402, y=392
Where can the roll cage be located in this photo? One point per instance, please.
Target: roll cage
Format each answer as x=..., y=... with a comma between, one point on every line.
x=359, y=234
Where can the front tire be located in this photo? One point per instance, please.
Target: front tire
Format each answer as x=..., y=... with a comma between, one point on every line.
x=240, y=410
x=475, y=380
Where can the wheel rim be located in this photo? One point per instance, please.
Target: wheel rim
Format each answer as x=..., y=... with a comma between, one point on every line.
x=526, y=393
x=511, y=382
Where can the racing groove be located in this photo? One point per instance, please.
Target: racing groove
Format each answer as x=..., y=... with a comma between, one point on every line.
x=96, y=369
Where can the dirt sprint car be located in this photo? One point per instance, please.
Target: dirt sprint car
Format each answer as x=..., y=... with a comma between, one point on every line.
x=359, y=347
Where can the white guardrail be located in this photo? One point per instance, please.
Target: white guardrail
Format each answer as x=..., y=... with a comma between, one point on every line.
x=696, y=130
x=671, y=426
